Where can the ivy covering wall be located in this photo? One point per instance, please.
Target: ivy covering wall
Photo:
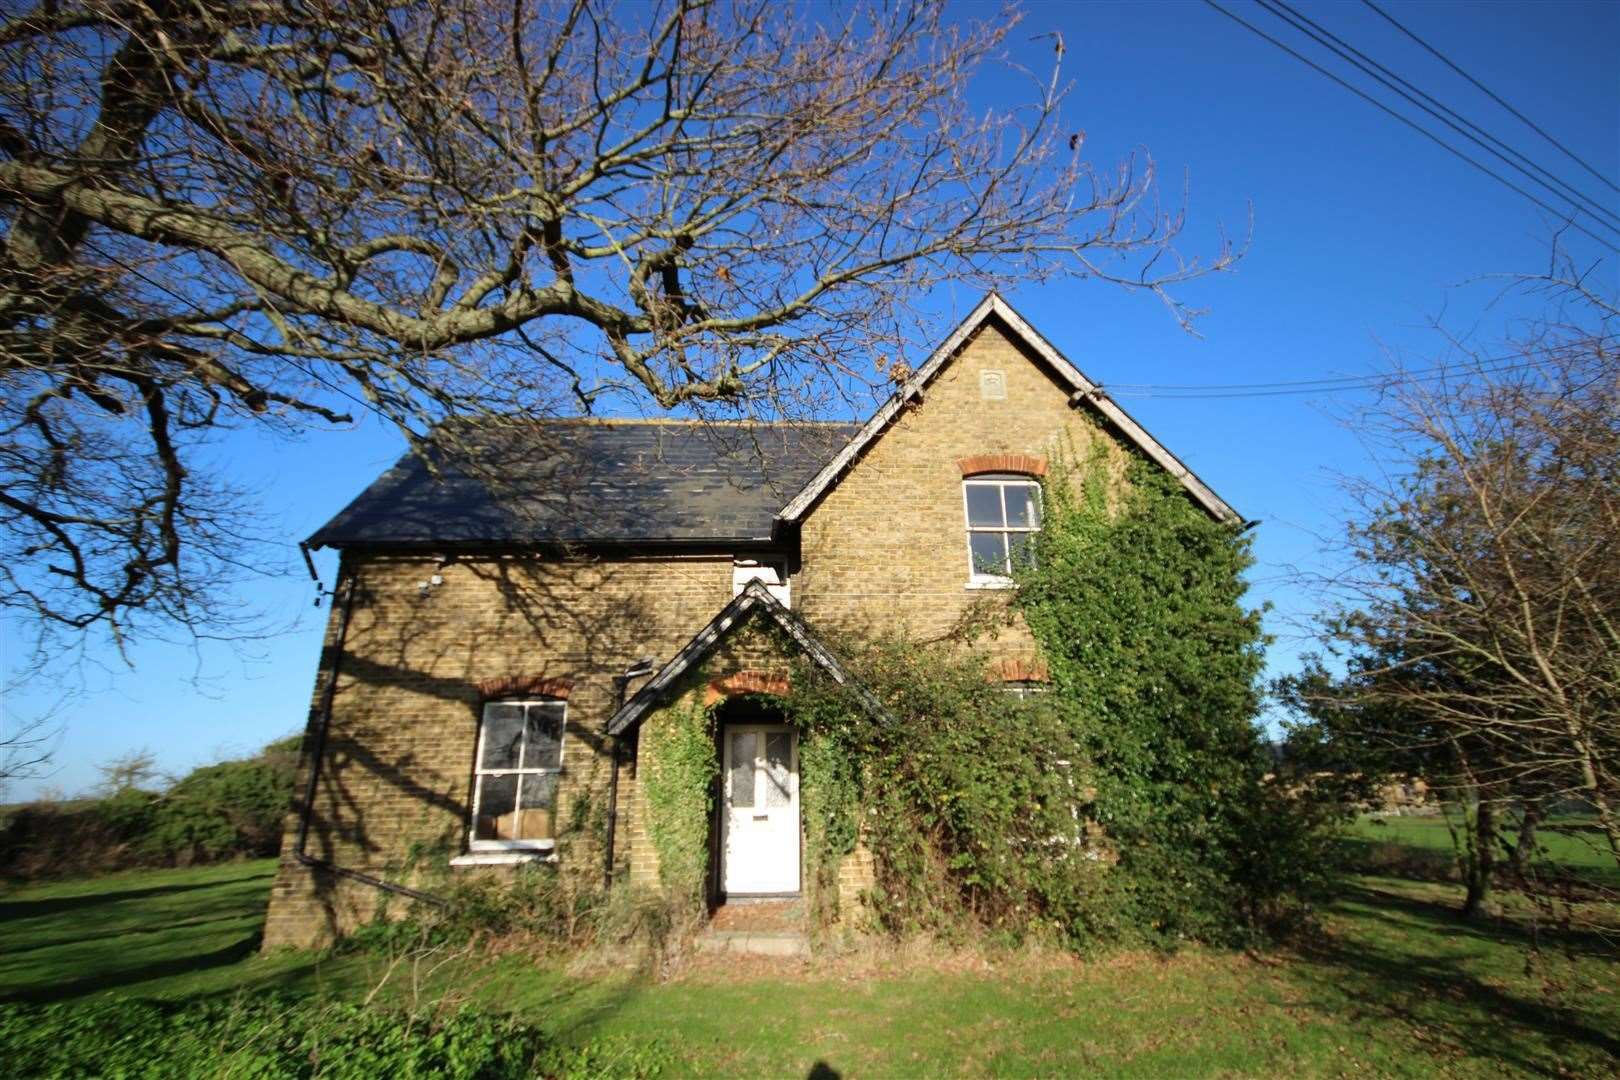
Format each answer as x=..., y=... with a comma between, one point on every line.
x=1139, y=611
x=1129, y=803
x=678, y=771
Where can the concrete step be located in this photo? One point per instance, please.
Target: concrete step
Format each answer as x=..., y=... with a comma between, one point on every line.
x=755, y=942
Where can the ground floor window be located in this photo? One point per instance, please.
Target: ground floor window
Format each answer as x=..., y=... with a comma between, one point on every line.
x=520, y=746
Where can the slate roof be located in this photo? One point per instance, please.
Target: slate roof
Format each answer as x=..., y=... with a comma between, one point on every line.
x=592, y=481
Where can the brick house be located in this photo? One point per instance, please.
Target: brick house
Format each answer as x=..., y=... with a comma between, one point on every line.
x=497, y=648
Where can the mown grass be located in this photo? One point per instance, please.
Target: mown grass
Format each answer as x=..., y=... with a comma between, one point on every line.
x=153, y=933
x=1392, y=984
x=1568, y=847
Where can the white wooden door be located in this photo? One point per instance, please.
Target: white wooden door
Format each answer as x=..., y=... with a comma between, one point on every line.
x=760, y=852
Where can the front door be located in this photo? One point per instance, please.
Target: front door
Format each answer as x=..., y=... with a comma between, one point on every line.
x=760, y=844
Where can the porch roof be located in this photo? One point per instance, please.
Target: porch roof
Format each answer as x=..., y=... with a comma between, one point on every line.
x=753, y=600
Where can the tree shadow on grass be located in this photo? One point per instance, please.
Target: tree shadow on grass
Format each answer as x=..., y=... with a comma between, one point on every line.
x=180, y=965
x=1382, y=907
x=233, y=915
x=1439, y=1000
x=53, y=905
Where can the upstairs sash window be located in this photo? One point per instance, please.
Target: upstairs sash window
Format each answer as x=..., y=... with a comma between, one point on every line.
x=1003, y=516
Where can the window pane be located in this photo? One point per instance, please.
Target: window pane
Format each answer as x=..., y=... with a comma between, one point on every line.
x=778, y=769
x=542, y=743
x=536, y=819
x=497, y=808
x=742, y=770
x=503, y=736
x=984, y=504
x=1021, y=549
x=989, y=553
x=1023, y=506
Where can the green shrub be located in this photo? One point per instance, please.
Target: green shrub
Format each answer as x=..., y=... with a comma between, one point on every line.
x=969, y=797
x=221, y=811
x=232, y=808
x=1138, y=608
x=829, y=793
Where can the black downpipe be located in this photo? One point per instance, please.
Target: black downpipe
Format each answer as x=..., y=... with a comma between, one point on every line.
x=620, y=683
x=318, y=753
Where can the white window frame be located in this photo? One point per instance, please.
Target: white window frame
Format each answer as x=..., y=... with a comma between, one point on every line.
x=474, y=844
x=1001, y=481
x=1024, y=689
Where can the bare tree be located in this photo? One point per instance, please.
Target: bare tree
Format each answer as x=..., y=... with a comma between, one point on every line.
x=1481, y=622
x=218, y=213
x=25, y=748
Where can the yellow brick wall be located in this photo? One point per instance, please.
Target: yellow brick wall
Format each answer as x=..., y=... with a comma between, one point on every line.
x=399, y=756
x=887, y=545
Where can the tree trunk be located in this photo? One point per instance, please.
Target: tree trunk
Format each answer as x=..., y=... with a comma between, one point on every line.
x=1607, y=820
x=1526, y=846
x=1481, y=860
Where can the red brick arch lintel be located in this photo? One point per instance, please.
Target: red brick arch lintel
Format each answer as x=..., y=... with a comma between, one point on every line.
x=1017, y=670
x=745, y=682
x=510, y=686
x=1023, y=464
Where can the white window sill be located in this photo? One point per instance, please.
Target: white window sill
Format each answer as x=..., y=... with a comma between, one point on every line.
x=992, y=583
x=503, y=858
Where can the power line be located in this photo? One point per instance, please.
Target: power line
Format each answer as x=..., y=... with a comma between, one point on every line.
x=1491, y=365
x=1583, y=202
x=1328, y=382
x=1431, y=136
x=1487, y=92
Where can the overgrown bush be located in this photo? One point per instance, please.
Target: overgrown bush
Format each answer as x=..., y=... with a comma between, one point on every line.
x=232, y=808
x=226, y=810
x=829, y=800
x=1131, y=802
x=1138, y=608
x=971, y=800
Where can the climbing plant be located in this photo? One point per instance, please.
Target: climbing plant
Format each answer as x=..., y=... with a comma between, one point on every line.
x=967, y=797
x=1130, y=802
x=1136, y=597
x=829, y=794
x=678, y=774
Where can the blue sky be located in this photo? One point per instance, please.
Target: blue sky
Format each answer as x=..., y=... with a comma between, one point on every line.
x=1363, y=233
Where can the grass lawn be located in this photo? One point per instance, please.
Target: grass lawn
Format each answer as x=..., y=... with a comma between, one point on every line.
x=1392, y=985
x=1573, y=847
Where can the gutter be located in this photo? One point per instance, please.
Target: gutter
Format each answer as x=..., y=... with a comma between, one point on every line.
x=318, y=753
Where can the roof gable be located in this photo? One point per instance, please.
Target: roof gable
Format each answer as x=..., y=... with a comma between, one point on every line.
x=754, y=600
x=1082, y=392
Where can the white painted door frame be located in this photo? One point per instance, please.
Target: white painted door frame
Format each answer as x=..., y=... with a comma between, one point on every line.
x=759, y=818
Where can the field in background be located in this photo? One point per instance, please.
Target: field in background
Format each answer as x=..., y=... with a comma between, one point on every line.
x=1393, y=984
x=1570, y=848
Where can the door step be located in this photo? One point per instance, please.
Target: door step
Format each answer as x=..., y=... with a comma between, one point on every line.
x=754, y=942
x=761, y=915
